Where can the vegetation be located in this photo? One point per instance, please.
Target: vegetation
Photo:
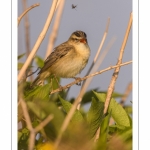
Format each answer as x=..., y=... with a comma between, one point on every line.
x=48, y=120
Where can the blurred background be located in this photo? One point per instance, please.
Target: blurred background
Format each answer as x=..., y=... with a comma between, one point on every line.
x=90, y=17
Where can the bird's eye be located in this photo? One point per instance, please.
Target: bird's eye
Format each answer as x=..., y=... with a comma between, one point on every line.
x=75, y=39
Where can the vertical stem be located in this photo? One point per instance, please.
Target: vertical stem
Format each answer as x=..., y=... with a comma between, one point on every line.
x=27, y=34
x=116, y=71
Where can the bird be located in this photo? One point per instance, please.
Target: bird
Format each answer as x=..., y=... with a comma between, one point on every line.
x=67, y=59
x=74, y=6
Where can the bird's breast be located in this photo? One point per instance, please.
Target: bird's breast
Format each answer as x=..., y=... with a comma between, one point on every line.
x=72, y=63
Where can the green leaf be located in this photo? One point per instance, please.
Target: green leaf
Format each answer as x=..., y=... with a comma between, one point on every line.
x=37, y=110
x=126, y=134
x=116, y=128
x=104, y=128
x=118, y=113
x=87, y=96
x=121, y=129
x=44, y=108
x=67, y=106
x=130, y=120
x=20, y=65
x=44, y=92
x=128, y=109
x=23, y=140
x=25, y=131
x=95, y=116
x=114, y=94
x=19, y=135
x=102, y=141
x=20, y=56
x=55, y=84
x=29, y=93
x=35, y=123
x=39, y=61
x=39, y=92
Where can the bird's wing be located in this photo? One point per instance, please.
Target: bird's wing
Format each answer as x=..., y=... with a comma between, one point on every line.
x=59, y=52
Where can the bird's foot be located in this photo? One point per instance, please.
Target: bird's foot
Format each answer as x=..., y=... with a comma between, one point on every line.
x=78, y=79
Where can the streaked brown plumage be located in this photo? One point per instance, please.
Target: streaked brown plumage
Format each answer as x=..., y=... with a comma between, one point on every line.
x=67, y=60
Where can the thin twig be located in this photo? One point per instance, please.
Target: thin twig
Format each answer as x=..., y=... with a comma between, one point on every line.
x=27, y=26
x=27, y=34
x=97, y=135
x=53, y=35
x=20, y=17
x=31, y=140
x=29, y=125
x=103, y=39
x=44, y=123
x=91, y=75
x=57, y=4
x=39, y=41
x=80, y=99
x=126, y=94
x=26, y=114
x=116, y=71
x=100, y=46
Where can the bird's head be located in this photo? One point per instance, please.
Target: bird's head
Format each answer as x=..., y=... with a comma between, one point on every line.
x=78, y=37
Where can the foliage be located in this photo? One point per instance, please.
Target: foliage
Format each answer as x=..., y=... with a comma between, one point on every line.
x=84, y=124
x=82, y=129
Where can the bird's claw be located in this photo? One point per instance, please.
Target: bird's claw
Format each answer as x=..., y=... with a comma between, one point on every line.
x=78, y=79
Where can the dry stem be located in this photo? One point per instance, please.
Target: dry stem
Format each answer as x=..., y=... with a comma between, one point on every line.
x=27, y=34
x=26, y=114
x=116, y=71
x=103, y=39
x=53, y=35
x=20, y=17
x=126, y=94
x=97, y=135
x=26, y=25
x=44, y=123
x=100, y=46
x=38, y=42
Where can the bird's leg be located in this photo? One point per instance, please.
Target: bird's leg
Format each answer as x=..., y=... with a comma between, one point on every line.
x=58, y=82
x=41, y=83
x=78, y=79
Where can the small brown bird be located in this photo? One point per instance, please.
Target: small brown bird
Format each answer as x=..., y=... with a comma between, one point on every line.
x=67, y=60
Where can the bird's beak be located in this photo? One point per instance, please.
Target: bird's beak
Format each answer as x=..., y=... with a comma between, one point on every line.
x=83, y=41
